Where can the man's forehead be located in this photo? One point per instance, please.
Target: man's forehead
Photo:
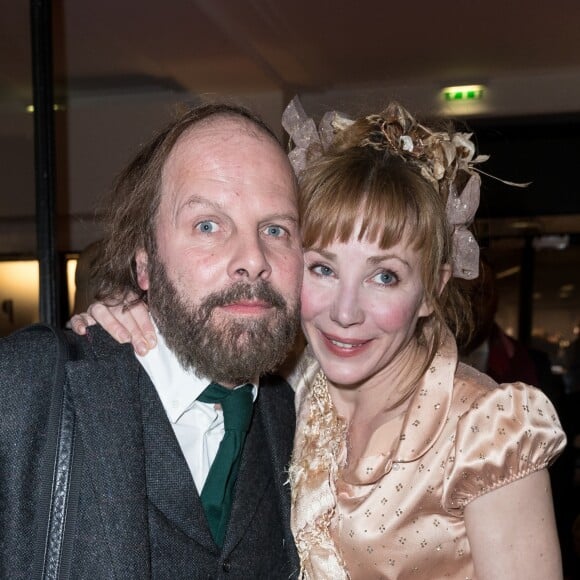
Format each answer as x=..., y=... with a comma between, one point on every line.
x=230, y=151
x=231, y=140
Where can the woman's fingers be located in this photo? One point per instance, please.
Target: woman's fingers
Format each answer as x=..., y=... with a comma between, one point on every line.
x=80, y=322
x=126, y=323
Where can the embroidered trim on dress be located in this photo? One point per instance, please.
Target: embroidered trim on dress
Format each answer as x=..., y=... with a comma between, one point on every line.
x=313, y=473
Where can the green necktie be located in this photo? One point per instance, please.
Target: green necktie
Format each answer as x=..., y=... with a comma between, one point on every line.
x=216, y=496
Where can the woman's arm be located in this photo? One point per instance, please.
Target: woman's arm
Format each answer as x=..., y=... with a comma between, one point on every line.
x=512, y=531
x=124, y=323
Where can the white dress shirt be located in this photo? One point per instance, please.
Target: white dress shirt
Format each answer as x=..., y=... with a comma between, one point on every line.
x=199, y=427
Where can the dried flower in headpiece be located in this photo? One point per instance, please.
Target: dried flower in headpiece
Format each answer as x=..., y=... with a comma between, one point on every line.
x=438, y=155
x=445, y=159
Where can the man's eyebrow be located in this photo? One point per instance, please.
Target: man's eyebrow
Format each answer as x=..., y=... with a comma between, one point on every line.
x=193, y=200
x=196, y=199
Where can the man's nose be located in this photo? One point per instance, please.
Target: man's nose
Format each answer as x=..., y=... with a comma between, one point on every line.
x=249, y=259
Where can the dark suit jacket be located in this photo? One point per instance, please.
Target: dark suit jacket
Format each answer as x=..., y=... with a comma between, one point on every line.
x=112, y=539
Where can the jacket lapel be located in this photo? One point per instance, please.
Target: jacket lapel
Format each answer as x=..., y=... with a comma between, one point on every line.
x=252, y=481
x=280, y=425
x=108, y=416
x=269, y=442
x=170, y=486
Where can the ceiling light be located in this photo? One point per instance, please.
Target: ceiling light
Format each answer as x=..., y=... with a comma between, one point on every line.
x=55, y=107
x=463, y=93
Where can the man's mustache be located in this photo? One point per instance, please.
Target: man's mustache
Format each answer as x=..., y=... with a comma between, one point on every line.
x=260, y=290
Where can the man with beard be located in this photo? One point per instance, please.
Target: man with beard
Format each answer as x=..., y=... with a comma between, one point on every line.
x=179, y=455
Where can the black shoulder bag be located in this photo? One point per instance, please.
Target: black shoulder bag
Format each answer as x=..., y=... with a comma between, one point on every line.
x=61, y=480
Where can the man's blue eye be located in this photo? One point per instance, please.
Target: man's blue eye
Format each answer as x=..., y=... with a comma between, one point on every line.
x=206, y=227
x=275, y=231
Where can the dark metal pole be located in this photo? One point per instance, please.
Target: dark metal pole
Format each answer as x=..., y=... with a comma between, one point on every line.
x=44, y=153
x=526, y=292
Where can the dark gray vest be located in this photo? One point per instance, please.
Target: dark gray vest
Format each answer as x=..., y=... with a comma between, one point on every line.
x=180, y=541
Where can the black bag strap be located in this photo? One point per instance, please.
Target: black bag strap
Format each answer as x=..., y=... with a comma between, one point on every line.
x=61, y=479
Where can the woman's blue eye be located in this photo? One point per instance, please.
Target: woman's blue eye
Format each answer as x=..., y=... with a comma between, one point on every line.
x=386, y=278
x=206, y=227
x=322, y=270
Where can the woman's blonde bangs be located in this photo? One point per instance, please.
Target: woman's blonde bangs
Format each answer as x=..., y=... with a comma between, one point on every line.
x=336, y=194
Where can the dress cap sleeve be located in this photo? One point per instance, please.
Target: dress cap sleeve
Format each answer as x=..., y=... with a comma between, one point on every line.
x=509, y=432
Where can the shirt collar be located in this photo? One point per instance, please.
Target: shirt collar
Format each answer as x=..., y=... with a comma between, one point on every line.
x=177, y=387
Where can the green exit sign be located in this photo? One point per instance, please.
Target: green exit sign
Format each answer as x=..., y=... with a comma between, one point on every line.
x=463, y=93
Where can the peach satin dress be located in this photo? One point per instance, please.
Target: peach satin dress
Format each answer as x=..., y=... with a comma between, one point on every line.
x=398, y=514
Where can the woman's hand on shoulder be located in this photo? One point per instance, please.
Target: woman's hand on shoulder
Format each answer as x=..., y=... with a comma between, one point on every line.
x=126, y=322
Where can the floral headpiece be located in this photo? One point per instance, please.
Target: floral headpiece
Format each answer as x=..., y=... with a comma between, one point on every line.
x=439, y=156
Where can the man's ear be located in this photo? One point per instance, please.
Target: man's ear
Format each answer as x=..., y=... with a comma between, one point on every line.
x=444, y=276
x=142, y=269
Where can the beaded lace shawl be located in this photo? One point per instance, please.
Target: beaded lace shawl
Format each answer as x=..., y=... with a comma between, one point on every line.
x=313, y=473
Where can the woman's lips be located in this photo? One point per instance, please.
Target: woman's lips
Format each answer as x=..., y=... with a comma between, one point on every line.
x=344, y=347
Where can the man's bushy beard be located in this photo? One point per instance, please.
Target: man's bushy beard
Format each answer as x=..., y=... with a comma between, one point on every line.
x=230, y=350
